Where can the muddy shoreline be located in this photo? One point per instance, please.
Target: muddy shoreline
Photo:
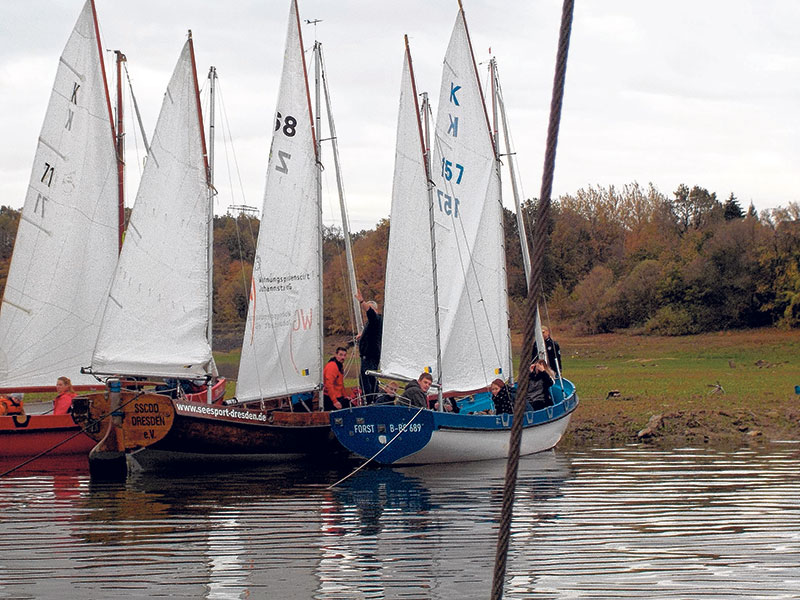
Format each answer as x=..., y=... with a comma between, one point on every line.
x=616, y=423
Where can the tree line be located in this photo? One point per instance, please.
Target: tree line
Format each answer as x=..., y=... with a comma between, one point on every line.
x=617, y=259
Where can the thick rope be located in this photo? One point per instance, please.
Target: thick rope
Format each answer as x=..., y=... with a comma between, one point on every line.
x=534, y=293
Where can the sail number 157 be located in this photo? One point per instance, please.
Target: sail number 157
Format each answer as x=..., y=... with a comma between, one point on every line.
x=448, y=204
x=447, y=170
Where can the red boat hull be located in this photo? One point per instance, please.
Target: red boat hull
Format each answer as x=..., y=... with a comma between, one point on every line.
x=29, y=435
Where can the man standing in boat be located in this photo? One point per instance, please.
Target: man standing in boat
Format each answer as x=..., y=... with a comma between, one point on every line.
x=369, y=348
x=552, y=350
x=333, y=381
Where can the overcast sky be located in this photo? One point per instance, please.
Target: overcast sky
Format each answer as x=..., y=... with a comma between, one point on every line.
x=697, y=92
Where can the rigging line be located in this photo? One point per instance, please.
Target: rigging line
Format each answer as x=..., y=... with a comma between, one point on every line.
x=131, y=110
x=224, y=110
x=226, y=131
x=512, y=147
x=374, y=456
x=138, y=114
x=547, y=316
x=513, y=151
x=341, y=260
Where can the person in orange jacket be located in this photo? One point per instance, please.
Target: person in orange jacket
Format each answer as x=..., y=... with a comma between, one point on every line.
x=11, y=405
x=333, y=381
x=63, y=402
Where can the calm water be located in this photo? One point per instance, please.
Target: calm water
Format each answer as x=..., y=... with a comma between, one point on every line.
x=602, y=524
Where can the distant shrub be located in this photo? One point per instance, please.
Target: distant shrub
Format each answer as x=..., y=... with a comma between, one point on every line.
x=670, y=321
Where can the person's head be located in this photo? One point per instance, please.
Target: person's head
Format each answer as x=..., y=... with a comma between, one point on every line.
x=63, y=384
x=341, y=353
x=391, y=387
x=540, y=365
x=425, y=380
x=372, y=304
x=497, y=385
x=545, y=332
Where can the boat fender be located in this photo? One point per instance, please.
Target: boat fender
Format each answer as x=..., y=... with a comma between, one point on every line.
x=21, y=420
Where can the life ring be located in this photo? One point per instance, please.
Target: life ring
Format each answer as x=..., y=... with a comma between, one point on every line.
x=21, y=420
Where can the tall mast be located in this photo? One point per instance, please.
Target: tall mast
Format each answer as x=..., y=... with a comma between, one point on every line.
x=424, y=138
x=523, y=237
x=317, y=120
x=212, y=80
x=120, y=150
x=120, y=199
x=496, y=138
x=351, y=268
x=210, y=241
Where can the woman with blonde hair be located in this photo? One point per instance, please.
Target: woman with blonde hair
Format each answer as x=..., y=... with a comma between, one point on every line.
x=62, y=403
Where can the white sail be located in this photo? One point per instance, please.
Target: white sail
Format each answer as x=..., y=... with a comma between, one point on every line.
x=469, y=235
x=156, y=318
x=281, y=349
x=409, y=343
x=67, y=241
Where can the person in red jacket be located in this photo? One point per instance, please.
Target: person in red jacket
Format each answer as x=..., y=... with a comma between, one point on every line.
x=333, y=381
x=63, y=402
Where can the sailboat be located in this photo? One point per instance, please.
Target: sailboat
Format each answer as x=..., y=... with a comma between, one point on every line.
x=282, y=350
x=452, y=321
x=66, y=248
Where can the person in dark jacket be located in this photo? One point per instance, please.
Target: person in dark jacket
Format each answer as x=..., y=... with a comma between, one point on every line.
x=416, y=392
x=389, y=393
x=369, y=348
x=541, y=380
x=552, y=350
x=501, y=398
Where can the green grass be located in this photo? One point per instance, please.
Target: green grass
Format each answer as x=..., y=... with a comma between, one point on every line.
x=749, y=365
x=661, y=370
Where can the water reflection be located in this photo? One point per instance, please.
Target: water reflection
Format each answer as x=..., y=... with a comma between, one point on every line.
x=600, y=524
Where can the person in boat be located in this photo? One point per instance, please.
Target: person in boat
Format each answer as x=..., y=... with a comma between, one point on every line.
x=541, y=380
x=369, y=348
x=11, y=405
x=501, y=398
x=62, y=403
x=389, y=395
x=552, y=350
x=416, y=392
x=333, y=381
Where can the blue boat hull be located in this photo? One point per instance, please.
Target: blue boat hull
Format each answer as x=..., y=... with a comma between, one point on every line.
x=392, y=434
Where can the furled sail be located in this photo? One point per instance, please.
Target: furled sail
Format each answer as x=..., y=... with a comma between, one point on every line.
x=67, y=242
x=156, y=317
x=469, y=235
x=409, y=343
x=281, y=349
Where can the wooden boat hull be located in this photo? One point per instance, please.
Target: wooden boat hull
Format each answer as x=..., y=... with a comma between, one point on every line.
x=230, y=433
x=435, y=437
x=29, y=435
